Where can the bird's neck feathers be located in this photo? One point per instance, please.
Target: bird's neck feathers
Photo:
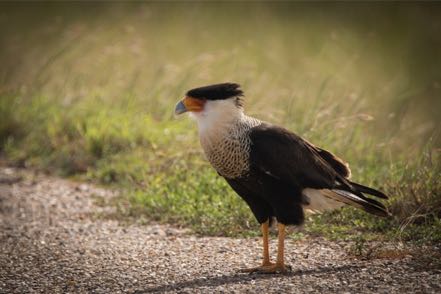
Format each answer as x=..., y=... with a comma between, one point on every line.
x=217, y=118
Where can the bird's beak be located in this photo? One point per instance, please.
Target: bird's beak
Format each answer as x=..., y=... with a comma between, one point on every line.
x=189, y=104
x=180, y=107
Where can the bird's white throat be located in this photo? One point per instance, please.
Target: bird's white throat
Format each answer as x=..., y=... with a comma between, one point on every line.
x=217, y=118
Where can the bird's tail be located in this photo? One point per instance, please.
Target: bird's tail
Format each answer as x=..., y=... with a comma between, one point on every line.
x=369, y=205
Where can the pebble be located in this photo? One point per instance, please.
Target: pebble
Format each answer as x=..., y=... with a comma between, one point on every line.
x=51, y=243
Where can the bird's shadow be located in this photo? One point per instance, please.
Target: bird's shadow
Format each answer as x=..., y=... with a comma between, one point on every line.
x=240, y=278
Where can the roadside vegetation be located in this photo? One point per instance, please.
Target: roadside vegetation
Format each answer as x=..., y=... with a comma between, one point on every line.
x=89, y=93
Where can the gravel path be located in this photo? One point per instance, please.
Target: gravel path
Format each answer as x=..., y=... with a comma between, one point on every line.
x=51, y=241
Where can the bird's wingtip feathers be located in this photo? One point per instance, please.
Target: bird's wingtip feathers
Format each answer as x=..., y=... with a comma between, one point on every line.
x=369, y=205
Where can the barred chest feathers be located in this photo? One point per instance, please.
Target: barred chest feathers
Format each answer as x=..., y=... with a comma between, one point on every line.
x=227, y=147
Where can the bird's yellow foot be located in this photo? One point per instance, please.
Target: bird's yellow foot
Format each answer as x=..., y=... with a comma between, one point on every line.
x=276, y=269
x=258, y=269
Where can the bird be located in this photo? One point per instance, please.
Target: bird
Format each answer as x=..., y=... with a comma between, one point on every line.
x=280, y=175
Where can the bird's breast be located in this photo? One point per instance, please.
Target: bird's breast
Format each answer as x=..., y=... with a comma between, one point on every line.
x=229, y=157
x=229, y=151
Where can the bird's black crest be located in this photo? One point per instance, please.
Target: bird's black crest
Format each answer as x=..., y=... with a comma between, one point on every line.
x=216, y=92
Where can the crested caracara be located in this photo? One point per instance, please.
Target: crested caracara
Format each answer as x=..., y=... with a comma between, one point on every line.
x=276, y=172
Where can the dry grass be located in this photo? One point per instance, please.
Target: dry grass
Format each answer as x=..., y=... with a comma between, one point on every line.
x=88, y=89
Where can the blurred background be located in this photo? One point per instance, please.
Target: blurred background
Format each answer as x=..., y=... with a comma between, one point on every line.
x=88, y=90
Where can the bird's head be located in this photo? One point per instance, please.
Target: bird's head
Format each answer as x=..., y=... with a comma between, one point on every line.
x=213, y=102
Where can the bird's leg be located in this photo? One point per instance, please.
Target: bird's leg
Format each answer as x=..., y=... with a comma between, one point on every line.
x=266, y=263
x=265, y=236
x=280, y=263
x=279, y=267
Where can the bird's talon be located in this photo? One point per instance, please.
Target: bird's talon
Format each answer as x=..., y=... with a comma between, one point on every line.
x=257, y=268
x=276, y=269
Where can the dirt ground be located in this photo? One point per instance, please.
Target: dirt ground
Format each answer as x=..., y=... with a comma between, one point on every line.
x=52, y=241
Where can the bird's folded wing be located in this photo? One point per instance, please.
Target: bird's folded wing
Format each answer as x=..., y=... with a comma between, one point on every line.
x=286, y=156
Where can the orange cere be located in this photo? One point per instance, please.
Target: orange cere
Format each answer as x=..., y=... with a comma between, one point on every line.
x=193, y=104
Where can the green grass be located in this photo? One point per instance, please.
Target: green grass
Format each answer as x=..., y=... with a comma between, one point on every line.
x=88, y=91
